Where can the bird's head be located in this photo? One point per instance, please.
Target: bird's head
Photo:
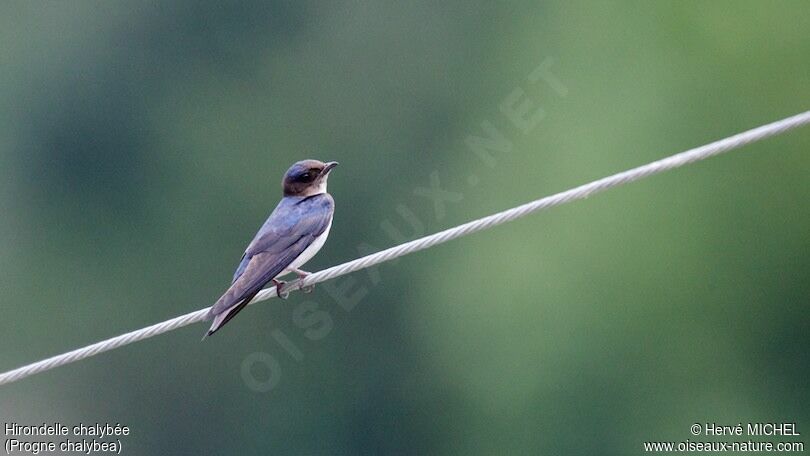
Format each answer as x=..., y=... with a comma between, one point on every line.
x=307, y=178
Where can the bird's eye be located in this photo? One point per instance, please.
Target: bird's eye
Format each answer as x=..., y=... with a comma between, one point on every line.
x=306, y=176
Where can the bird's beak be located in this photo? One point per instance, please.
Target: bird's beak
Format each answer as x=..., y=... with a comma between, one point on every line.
x=328, y=167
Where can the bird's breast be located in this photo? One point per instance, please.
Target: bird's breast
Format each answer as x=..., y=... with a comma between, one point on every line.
x=310, y=251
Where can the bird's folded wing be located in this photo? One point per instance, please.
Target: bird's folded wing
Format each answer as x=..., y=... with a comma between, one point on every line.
x=261, y=268
x=286, y=234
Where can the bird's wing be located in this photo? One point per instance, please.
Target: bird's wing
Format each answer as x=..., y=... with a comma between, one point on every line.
x=290, y=229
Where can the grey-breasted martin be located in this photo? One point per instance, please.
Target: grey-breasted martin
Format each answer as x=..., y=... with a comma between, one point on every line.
x=295, y=231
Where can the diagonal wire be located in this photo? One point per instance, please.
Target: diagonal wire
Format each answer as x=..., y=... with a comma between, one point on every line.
x=583, y=191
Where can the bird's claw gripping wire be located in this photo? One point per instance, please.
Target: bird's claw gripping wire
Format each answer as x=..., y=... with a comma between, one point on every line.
x=280, y=289
x=280, y=284
x=301, y=276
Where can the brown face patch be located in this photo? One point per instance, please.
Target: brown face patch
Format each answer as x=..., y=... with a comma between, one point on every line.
x=302, y=178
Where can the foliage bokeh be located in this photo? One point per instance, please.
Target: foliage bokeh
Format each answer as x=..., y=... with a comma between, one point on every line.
x=142, y=145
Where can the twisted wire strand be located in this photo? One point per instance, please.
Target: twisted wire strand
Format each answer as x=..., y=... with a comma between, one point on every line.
x=576, y=193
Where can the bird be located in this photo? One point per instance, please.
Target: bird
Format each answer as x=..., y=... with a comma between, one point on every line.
x=293, y=233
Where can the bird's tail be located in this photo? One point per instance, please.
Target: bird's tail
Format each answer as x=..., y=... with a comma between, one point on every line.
x=225, y=316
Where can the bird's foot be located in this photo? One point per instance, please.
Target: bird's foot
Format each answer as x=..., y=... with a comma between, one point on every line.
x=301, y=275
x=280, y=289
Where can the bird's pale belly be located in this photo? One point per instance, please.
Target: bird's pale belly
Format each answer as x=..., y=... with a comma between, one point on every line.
x=309, y=252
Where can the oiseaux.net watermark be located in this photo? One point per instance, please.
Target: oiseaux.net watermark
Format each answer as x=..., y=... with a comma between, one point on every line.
x=519, y=112
x=753, y=437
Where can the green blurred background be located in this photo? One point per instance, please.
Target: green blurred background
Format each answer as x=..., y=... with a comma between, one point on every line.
x=142, y=145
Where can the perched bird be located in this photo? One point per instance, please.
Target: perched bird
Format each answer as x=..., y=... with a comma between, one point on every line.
x=295, y=231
